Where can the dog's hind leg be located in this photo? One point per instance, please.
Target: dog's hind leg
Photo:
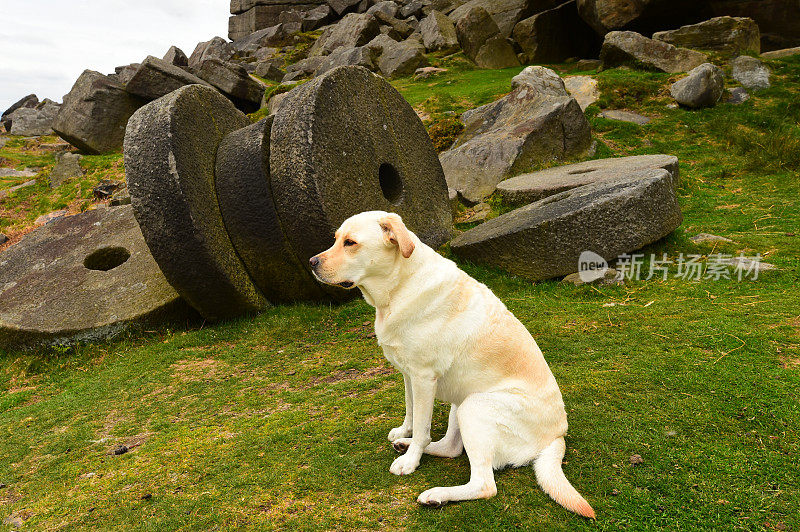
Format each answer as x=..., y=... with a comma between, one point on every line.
x=450, y=446
x=478, y=429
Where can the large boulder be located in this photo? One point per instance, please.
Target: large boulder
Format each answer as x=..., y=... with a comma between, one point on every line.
x=527, y=188
x=750, y=72
x=505, y=13
x=216, y=48
x=632, y=49
x=345, y=55
x=155, y=77
x=170, y=152
x=703, y=87
x=275, y=36
x=349, y=130
x=398, y=59
x=83, y=278
x=545, y=239
x=29, y=101
x=95, y=113
x=354, y=30
x=303, y=68
x=176, y=56
x=482, y=41
x=537, y=122
x=234, y=81
x=438, y=33
x=731, y=35
x=316, y=18
x=36, y=121
x=555, y=35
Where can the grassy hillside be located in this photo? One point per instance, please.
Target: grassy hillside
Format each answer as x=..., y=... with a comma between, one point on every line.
x=280, y=421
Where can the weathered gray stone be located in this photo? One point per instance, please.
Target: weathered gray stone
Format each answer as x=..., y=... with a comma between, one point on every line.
x=527, y=188
x=398, y=59
x=36, y=121
x=155, y=77
x=556, y=34
x=413, y=9
x=82, y=278
x=346, y=55
x=354, y=30
x=275, y=36
x=216, y=48
x=588, y=64
x=386, y=7
x=3, y=239
x=738, y=95
x=426, y=72
x=234, y=81
x=176, y=56
x=707, y=238
x=170, y=149
x=29, y=101
x=303, y=68
x=625, y=116
x=438, y=33
x=4, y=193
x=731, y=35
x=270, y=70
x=481, y=40
x=317, y=17
x=750, y=72
x=703, y=87
x=583, y=89
x=398, y=29
x=68, y=166
x=350, y=130
x=632, y=49
x=95, y=112
x=545, y=239
x=780, y=54
x=537, y=122
x=340, y=7
x=251, y=219
x=505, y=13
x=125, y=73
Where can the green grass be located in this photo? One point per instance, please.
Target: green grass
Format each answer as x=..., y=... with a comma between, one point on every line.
x=280, y=421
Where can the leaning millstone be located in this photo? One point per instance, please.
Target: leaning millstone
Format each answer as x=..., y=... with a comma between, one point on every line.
x=95, y=112
x=632, y=49
x=83, y=278
x=176, y=56
x=732, y=35
x=245, y=199
x=68, y=166
x=750, y=72
x=155, y=78
x=537, y=122
x=545, y=239
x=235, y=82
x=348, y=142
x=528, y=188
x=703, y=87
x=170, y=149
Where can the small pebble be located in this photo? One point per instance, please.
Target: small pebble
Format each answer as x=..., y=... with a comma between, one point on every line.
x=636, y=460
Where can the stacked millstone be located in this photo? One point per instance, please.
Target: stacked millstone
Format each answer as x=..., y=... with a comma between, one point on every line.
x=232, y=211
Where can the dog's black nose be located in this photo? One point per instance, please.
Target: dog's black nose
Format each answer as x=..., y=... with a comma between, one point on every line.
x=314, y=261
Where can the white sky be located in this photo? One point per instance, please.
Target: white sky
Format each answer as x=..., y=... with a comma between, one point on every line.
x=46, y=44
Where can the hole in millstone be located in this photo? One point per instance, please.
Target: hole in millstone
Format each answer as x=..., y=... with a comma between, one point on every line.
x=391, y=183
x=105, y=259
x=586, y=171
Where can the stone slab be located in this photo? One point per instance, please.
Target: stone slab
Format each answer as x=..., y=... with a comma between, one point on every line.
x=527, y=188
x=170, y=149
x=83, y=278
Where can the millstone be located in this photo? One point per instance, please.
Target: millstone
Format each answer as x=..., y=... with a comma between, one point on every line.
x=245, y=199
x=170, y=149
x=527, y=188
x=546, y=238
x=83, y=277
x=348, y=142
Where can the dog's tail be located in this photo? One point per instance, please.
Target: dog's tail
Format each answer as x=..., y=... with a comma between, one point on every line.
x=552, y=480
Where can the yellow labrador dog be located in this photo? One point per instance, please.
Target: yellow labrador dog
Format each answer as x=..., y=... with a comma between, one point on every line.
x=452, y=338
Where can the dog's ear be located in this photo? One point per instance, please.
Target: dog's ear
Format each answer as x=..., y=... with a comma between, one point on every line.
x=396, y=234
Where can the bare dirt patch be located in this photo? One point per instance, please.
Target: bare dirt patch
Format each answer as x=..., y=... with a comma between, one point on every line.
x=197, y=370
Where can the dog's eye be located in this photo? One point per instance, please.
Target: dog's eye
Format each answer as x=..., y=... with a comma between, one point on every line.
x=348, y=243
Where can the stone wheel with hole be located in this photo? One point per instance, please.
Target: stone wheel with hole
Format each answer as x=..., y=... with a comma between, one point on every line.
x=348, y=142
x=83, y=277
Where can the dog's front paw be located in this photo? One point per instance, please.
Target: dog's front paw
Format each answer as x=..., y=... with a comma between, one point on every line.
x=399, y=432
x=404, y=465
x=434, y=497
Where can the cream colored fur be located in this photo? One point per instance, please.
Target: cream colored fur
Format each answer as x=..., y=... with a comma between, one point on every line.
x=454, y=340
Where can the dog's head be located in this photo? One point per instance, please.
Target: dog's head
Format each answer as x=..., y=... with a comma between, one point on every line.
x=367, y=245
